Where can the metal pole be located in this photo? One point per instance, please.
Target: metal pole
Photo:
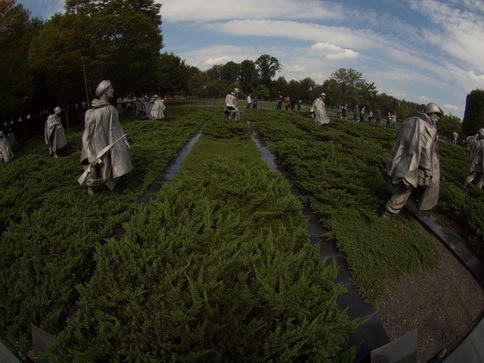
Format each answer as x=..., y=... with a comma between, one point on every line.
x=85, y=82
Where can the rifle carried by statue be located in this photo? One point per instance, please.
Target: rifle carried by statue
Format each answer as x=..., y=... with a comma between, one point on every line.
x=84, y=175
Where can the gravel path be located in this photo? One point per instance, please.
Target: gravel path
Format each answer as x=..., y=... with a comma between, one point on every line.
x=442, y=304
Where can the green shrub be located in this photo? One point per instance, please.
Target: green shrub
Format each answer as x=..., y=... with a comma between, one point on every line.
x=52, y=227
x=217, y=267
x=340, y=169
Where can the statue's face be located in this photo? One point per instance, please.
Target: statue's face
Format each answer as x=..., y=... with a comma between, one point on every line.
x=434, y=117
x=109, y=92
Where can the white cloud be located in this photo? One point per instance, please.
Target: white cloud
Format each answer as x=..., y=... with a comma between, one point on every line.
x=197, y=11
x=450, y=107
x=306, y=31
x=333, y=52
x=418, y=48
x=457, y=31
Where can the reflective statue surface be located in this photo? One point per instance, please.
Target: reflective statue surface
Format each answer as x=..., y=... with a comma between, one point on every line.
x=414, y=161
x=476, y=160
x=318, y=110
x=231, y=108
x=54, y=132
x=157, y=108
x=104, y=153
x=6, y=153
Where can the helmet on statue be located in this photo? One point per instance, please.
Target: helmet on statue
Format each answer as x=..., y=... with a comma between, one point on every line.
x=432, y=108
x=102, y=87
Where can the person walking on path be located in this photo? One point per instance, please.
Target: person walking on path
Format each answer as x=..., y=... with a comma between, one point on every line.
x=256, y=101
x=455, y=137
x=279, y=102
x=393, y=122
x=378, y=116
x=249, y=101
x=414, y=161
x=54, y=132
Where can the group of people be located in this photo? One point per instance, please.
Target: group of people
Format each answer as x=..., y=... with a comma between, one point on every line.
x=252, y=103
x=361, y=114
x=289, y=103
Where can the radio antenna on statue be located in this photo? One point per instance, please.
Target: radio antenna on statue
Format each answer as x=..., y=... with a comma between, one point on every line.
x=85, y=82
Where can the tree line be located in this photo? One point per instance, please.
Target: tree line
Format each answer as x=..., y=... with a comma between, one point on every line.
x=60, y=62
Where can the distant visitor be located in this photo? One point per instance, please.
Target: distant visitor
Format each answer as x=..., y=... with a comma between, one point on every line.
x=414, y=161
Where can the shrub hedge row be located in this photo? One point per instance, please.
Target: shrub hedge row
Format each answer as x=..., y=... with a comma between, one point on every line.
x=340, y=169
x=51, y=227
x=218, y=267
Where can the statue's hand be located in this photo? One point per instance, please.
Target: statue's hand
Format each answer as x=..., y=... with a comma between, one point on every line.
x=427, y=176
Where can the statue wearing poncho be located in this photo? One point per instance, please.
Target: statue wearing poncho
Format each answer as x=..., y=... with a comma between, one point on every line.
x=6, y=153
x=318, y=110
x=54, y=132
x=231, y=109
x=414, y=161
x=101, y=129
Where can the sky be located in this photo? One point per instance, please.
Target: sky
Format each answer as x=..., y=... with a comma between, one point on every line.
x=417, y=50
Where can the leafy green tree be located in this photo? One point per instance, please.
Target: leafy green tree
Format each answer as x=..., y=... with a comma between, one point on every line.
x=173, y=74
x=352, y=86
x=387, y=103
x=279, y=87
x=448, y=124
x=215, y=73
x=474, y=112
x=247, y=75
x=56, y=62
x=16, y=31
x=123, y=41
x=94, y=40
x=267, y=66
x=229, y=72
x=262, y=92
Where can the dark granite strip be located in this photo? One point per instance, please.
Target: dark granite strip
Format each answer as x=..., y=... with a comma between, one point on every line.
x=370, y=334
x=168, y=173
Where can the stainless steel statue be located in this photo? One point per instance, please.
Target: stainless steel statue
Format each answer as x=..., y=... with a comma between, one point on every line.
x=6, y=153
x=104, y=154
x=231, y=109
x=476, y=158
x=318, y=110
x=157, y=108
x=54, y=132
x=414, y=162
x=469, y=142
